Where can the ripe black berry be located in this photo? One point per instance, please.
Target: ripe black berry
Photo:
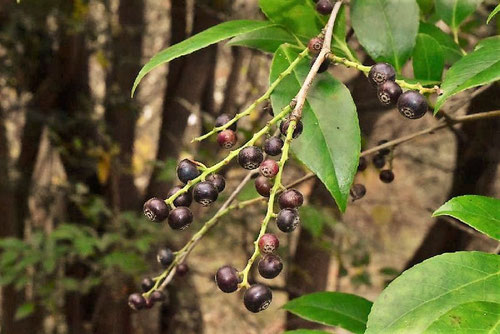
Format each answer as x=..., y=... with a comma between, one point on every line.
x=298, y=128
x=182, y=200
x=156, y=209
x=263, y=186
x=157, y=296
x=324, y=7
x=268, y=243
x=227, y=279
x=218, y=181
x=165, y=257
x=386, y=176
x=288, y=220
x=412, y=105
x=227, y=139
x=380, y=73
x=273, y=146
x=270, y=266
x=250, y=157
x=389, y=92
x=147, y=284
x=379, y=161
x=324, y=65
x=362, y=164
x=180, y=218
x=358, y=191
x=223, y=119
x=205, y=193
x=290, y=198
x=187, y=170
x=182, y=269
x=149, y=303
x=315, y=44
x=136, y=301
x=257, y=298
x=384, y=151
x=269, y=168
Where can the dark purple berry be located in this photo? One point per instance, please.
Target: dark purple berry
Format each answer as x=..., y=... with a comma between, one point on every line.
x=412, y=104
x=389, y=92
x=157, y=296
x=187, y=170
x=362, y=164
x=182, y=269
x=250, y=157
x=149, y=303
x=268, y=243
x=358, y=191
x=380, y=73
x=227, y=279
x=156, y=209
x=315, y=44
x=290, y=198
x=268, y=108
x=378, y=161
x=257, y=298
x=205, y=193
x=384, y=151
x=223, y=119
x=263, y=186
x=298, y=128
x=270, y=266
x=165, y=257
x=288, y=220
x=218, y=181
x=324, y=65
x=136, y=301
x=182, y=200
x=147, y=284
x=180, y=218
x=324, y=7
x=227, y=139
x=273, y=146
x=269, y=168
x=386, y=176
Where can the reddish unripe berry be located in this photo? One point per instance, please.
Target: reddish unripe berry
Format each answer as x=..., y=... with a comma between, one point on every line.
x=269, y=168
x=257, y=298
x=268, y=243
x=315, y=44
x=156, y=209
x=290, y=198
x=227, y=139
x=263, y=186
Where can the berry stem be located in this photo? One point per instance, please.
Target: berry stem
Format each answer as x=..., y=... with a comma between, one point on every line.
x=261, y=99
x=270, y=205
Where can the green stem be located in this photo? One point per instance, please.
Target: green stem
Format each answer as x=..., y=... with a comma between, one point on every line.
x=270, y=205
x=261, y=99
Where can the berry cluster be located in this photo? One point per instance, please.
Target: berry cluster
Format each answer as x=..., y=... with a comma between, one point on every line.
x=411, y=104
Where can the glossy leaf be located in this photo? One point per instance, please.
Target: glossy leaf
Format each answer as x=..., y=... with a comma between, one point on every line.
x=480, y=212
x=491, y=42
x=493, y=13
x=332, y=308
x=475, y=69
x=426, y=6
x=450, y=49
x=431, y=289
x=305, y=331
x=330, y=144
x=297, y=16
x=267, y=39
x=199, y=41
x=428, y=58
x=454, y=12
x=477, y=317
x=387, y=29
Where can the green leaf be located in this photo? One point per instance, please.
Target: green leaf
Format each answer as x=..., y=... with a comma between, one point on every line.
x=454, y=12
x=306, y=331
x=339, y=44
x=475, y=69
x=387, y=29
x=312, y=220
x=450, y=49
x=477, y=317
x=480, y=212
x=330, y=144
x=429, y=290
x=493, y=42
x=426, y=6
x=268, y=39
x=332, y=308
x=428, y=58
x=297, y=16
x=127, y=261
x=493, y=13
x=24, y=310
x=199, y=41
